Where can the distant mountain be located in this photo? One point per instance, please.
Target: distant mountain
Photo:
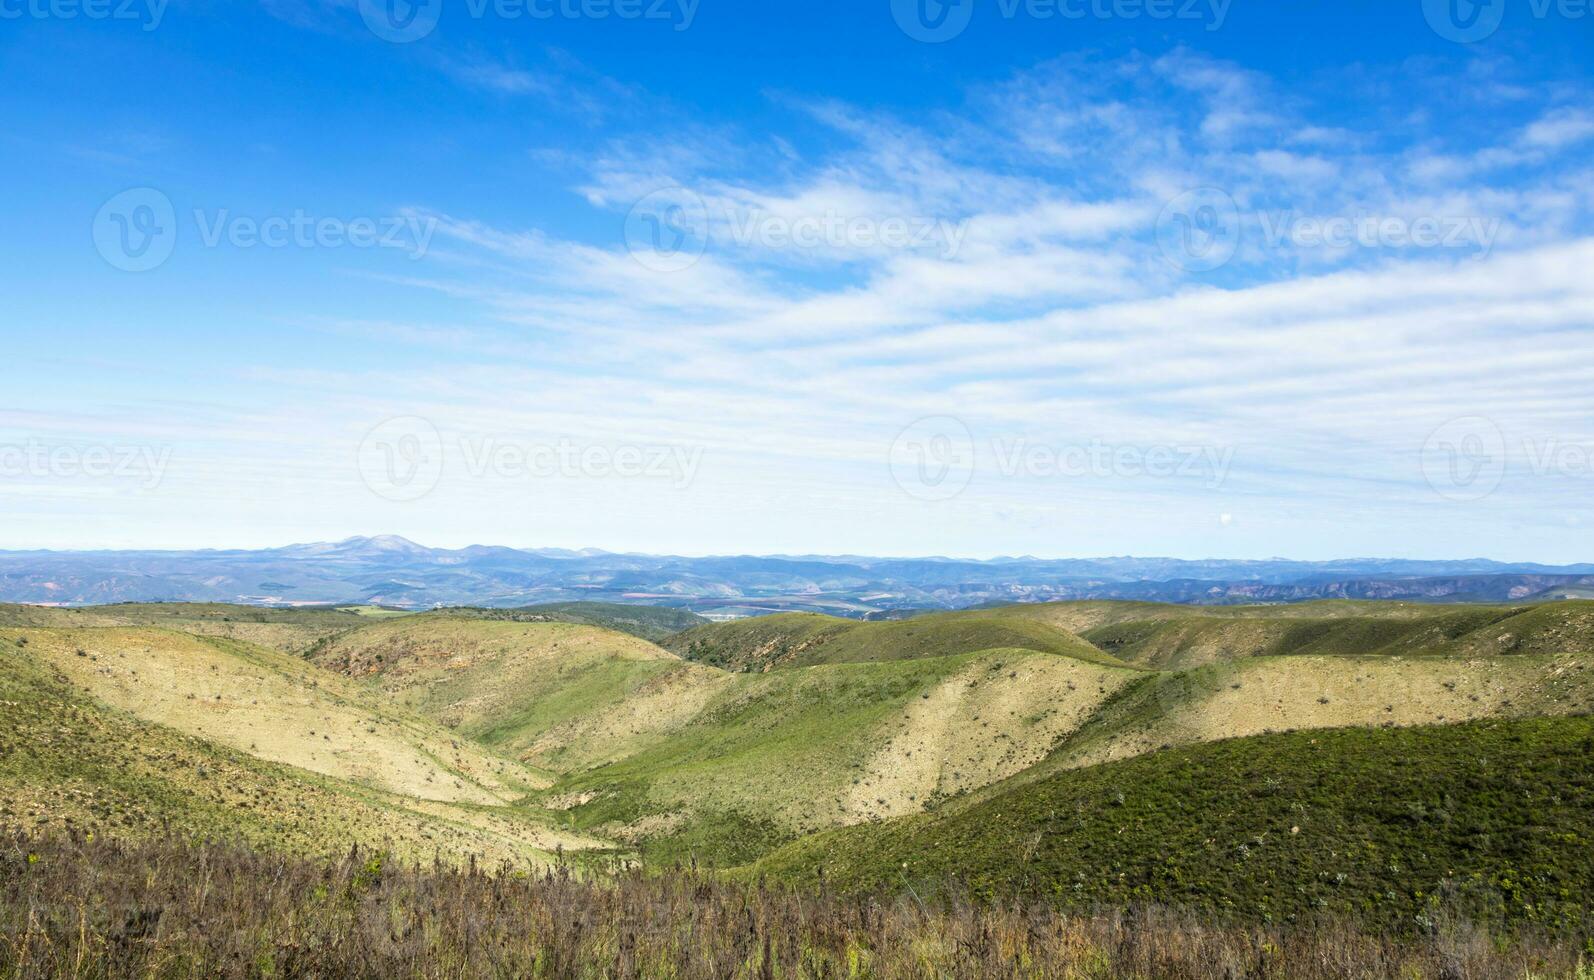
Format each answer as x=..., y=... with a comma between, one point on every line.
x=391, y=570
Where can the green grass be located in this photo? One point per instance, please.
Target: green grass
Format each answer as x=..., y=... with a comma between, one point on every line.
x=753, y=764
x=807, y=639
x=775, y=754
x=520, y=687
x=1384, y=825
x=1164, y=637
x=819, y=723
x=649, y=622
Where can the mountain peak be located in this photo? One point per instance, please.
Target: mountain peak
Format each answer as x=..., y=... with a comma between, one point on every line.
x=382, y=544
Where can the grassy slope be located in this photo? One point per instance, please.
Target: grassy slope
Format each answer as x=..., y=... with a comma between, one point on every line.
x=1157, y=637
x=1263, y=695
x=1374, y=823
x=775, y=754
x=69, y=760
x=555, y=694
x=287, y=630
x=648, y=622
x=806, y=639
x=1084, y=615
x=276, y=707
x=681, y=756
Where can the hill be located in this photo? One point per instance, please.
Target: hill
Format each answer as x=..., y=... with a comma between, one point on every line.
x=649, y=622
x=275, y=707
x=560, y=695
x=679, y=756
x=769, y=756
x=1166, y=637
x=1262, y=695
x=806, y=639
x=70, y=761
x=287, y=630
x=520, y=732
x=1391, y=826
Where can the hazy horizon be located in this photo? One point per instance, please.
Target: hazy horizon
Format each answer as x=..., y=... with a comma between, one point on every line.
x=451, y=546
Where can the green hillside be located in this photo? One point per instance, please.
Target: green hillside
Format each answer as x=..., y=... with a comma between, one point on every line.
x=558, y=695
x=69, y=761
x=1158, y=637
x=1381, y=825
x=676, y=756
x=773, y=755
x=806, y=639
x=649, y=622
x=287, y=630
x=511, y=735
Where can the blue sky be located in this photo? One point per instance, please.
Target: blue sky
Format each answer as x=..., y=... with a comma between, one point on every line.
x=1059, y=278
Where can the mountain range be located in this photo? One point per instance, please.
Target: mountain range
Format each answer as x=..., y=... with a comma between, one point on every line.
x=393, y=571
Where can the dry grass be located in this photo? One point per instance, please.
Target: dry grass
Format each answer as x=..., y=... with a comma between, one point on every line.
x=88, y=909
x=275, y=707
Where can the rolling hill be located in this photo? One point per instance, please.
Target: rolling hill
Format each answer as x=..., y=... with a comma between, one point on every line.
x=70, y=760
x=1401, y=827
x=649, y=622
x=806, y=639
x=512, y=732
x=276, y=707
x=676, y=755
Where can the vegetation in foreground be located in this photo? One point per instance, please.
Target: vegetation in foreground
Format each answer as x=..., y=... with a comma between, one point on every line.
x=93, y=908
x=1388, y=826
